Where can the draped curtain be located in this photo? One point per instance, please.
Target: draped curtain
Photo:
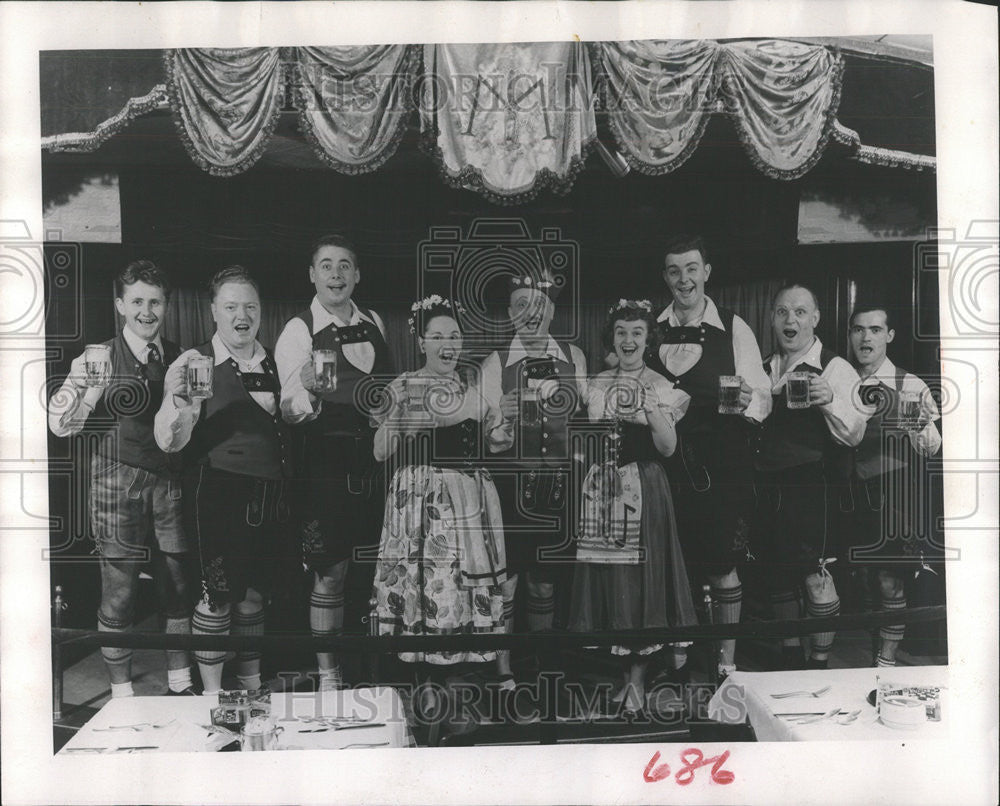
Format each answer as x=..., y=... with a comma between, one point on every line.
x=508, y=119
x=781, y=96
x=504, y=120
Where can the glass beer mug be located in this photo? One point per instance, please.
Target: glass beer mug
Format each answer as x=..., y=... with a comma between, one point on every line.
x=199, y=376
x=729, y=394
x=97, y=361
x=325, y=368
x=797, y=390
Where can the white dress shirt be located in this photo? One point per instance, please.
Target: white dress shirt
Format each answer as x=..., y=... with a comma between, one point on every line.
x=928, y=439
x=173, y=426
x=294, y=350
x=845, y=415
x=70, y=407
x=679, y=358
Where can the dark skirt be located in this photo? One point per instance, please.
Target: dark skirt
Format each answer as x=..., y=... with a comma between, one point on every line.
x=653, y=593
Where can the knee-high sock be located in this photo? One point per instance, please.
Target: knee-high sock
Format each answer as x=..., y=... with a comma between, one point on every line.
x=326, y=618
x=893, y=632
x=822, y=642
x=117, y=659
x=785, y=605
x=248, y=662
x=728, y=603
x=541, y=611
x=503, y=655
x=178, y=658
x=205, y=622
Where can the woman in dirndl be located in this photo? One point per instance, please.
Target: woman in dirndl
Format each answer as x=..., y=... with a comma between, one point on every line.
x=630, y=572
x=441, y=558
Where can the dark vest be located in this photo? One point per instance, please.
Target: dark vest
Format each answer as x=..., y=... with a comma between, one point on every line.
x=130, y=402
x=874, y=456
x=706, y=438
x=793, y=437
x=341, y=414
x=457, y=447
x=549, y=439
x=233, y=432
x=636, y=444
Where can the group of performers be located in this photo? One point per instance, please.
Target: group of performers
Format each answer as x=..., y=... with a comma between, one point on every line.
x=525, y=478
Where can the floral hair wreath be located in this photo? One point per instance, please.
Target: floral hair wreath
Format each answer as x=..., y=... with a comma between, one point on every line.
x=631, y=304
x=426, y=304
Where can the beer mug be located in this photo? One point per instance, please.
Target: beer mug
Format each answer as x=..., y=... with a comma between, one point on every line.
x=97, y=360
x=909, y=409
x=729, y=394
x=416, y=392
x=797, y=390
x=529, y=407
x=259, y=733
x=199, y=376
x=325, y=368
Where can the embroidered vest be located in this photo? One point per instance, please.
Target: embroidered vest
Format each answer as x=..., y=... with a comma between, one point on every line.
x=342, y=414
x=233, y=432
x=548, y=439
x=874, y=456
x=129, y=405
x=794, y=437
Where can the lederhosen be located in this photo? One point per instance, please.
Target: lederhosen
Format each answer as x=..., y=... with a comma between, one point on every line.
x=236, y=467
x=533, y=477
x=127, y=454
x=886, y=521
x=710, y=472
x=342, y=486
x=800, y=473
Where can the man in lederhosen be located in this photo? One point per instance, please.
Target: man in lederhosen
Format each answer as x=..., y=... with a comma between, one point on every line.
x=888, y=527
x=533, y=483
x=135, y=492
x=801, y=459
x=711, y=472
x=340, y=505
x=237, y=458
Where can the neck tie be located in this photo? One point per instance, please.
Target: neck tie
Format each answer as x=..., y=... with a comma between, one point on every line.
x=154, y=365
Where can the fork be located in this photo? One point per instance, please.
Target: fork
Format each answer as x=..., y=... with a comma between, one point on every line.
x=812, y=720
x=137, y=727
x=817, y=693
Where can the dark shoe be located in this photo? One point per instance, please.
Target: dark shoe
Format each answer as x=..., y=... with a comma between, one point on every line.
x=812, y=663
x=190, y=691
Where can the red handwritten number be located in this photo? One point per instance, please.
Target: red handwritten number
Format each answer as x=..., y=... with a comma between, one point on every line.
x=650, y=776
x=693, y=760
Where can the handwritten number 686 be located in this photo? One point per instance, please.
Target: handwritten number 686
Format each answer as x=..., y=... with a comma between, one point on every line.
x=692, y=759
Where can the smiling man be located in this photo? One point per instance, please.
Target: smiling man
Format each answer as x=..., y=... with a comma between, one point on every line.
x=534, y=482
x=341, y=497
x=237, y=458
x=801, y=457
x=887, y=527
x=710, y=473
x=134, y=486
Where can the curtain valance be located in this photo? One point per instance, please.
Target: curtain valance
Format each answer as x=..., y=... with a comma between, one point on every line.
x=505, y=120
x=781, y=96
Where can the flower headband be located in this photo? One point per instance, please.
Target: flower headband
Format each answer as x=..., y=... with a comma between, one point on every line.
x=426, y=304
x=626, y=304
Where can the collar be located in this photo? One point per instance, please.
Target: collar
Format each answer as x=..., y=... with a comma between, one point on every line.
x=323, y=318
x=810, y=357
x=222, y=353
x=517, y=351
x=710, y=316
x=885, y=373
x=140, y=346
